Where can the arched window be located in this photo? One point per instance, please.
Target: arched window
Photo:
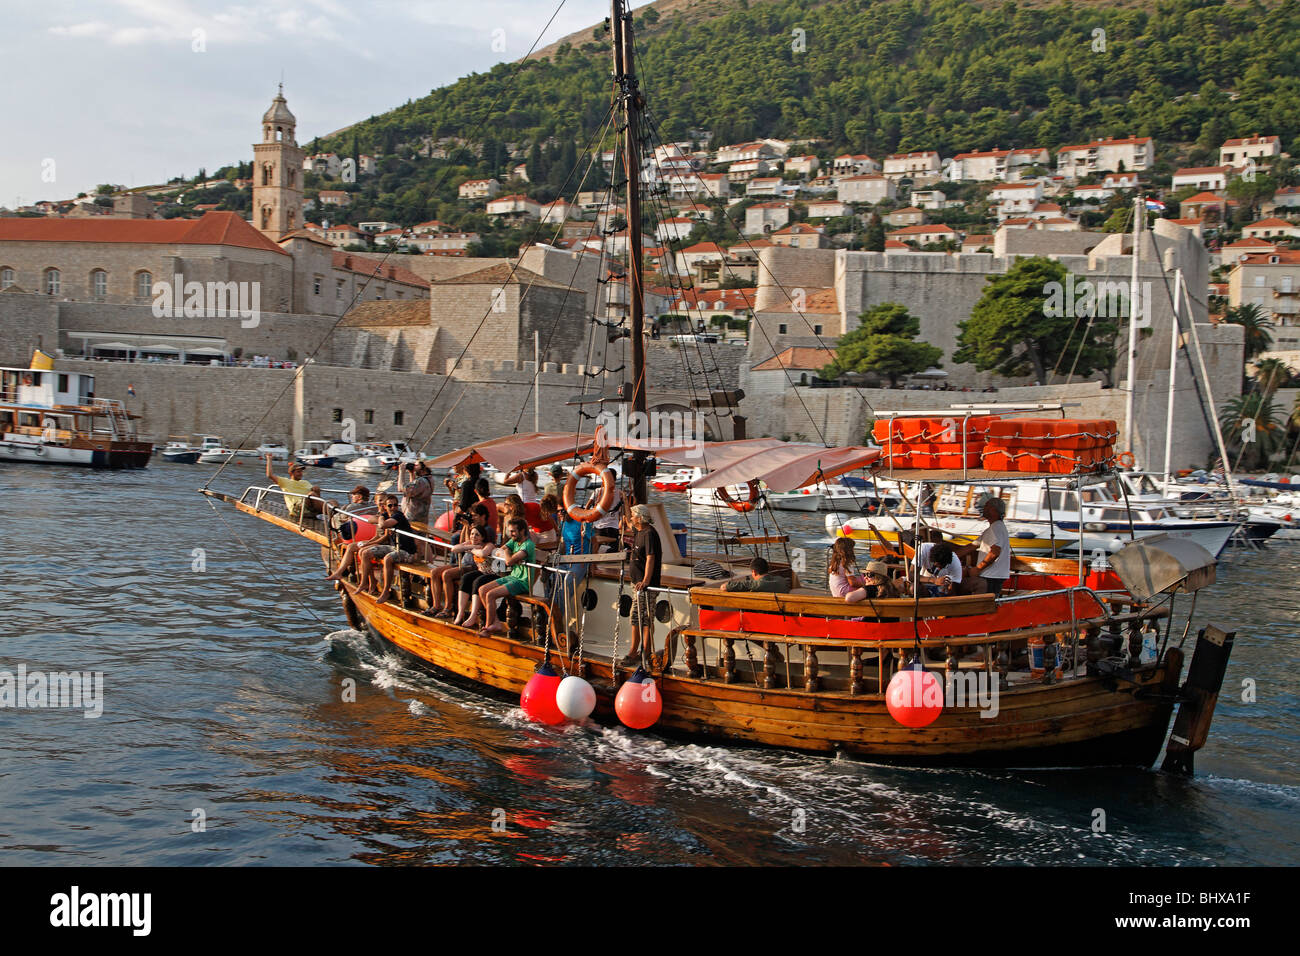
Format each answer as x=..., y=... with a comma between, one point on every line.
x=266, y=217
x=144, y=284
x=266, y=174
x=99, y=283
x=53, y=281
x=293, y=173
x=7, y=278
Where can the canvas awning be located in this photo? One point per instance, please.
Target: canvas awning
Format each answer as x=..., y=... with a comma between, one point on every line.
x=115, y=346
x=204, y=351
x=709, y=455
x=789, y=466
x=517, y=451
x=1159, y=563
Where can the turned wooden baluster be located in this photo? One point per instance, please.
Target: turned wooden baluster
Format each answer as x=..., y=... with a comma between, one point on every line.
x=693, y=667
x=728, y=661
x=810, y=681
x=771, y=658
x=856, y=686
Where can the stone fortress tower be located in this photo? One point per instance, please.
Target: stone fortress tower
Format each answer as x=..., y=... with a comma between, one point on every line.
x=277, y=173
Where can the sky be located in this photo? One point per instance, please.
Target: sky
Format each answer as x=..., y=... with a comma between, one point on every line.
x=138, y=91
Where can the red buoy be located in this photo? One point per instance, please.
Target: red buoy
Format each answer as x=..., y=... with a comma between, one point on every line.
x=638, y=703
x=914, y=696
x=538, y=697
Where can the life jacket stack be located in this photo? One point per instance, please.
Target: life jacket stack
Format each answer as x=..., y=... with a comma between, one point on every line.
x=932, y=443
x=1057, y=446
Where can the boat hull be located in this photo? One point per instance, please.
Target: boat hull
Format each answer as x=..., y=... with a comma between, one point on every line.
x=1081, y=722
x=112, y=455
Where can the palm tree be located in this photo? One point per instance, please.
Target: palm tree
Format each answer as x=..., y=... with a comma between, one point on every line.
x=1271, y=374
x=1254, y=320
x=1250, y=423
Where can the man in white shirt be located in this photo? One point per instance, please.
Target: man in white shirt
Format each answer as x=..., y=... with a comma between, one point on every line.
x=938, y=568
x=994, y=547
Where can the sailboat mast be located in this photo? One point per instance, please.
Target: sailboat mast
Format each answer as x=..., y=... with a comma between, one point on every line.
x=1139, y=216
x=633, y=102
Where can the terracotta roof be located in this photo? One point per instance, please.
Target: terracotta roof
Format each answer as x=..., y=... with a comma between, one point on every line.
x=1187, y=222
x=798, y=357
x=1252, y=141
x=502, y=274
x=797, y=228
x=908, y=210
x=1283, y=256
x=704, y=247
x=1005, y=186
x=816, y=302
x=732, y=300
x=923, y=230
x=1251, y=243
x=1198, y=170
x=981, y=240
x=388, y=313
x=1272, y=222
x=213, y=229
x=927, y=152
x=896, y=244
x=373, y=267
x=997, y=153
x=1203, y=197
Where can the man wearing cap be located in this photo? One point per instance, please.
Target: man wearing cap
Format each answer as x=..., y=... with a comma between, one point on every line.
x=556, y=485
x=645, y=563
x=300, y=496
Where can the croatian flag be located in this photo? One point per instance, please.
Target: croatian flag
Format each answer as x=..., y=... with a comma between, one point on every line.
x=1154, y=205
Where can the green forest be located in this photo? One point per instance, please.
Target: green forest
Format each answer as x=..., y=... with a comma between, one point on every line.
x=876, y=76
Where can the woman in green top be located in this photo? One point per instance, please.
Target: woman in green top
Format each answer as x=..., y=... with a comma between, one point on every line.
x=519, y=550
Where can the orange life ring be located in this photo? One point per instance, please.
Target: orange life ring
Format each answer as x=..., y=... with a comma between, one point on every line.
x=741, y=506
x=606, y=501
x=1126, y=459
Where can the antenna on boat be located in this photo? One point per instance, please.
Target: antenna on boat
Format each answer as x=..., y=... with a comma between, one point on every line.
x=632, y=102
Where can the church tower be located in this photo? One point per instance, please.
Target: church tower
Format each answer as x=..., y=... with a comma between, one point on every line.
x=277, y=173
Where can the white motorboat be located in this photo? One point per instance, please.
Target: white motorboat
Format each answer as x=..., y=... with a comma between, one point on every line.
x=277, y=450
x=806, y=499
x=378, y=458
x=315, y=454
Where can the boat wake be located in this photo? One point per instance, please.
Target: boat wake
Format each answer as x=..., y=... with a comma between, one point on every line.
x=838, y=807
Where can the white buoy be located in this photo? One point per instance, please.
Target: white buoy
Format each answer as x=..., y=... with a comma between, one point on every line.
x=575, y=698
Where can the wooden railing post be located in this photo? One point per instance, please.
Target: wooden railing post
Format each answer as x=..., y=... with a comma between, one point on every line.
x=728, y=661
x=810, y=680
x=693, y=668
x=771, y=658
x=856, y=686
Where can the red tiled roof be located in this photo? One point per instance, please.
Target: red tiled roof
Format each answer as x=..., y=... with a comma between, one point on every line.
x=1252, y=141
x=1200, y=170
x=797, y=228
x=798, y=357
x=704, y=247
x=1203, y=198
x=923, y=230
x=373, y=267
x=1272, y=222
x=213, y=229
x=1284, y=257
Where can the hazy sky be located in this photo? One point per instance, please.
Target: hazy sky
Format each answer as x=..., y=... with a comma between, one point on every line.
x=114, y=91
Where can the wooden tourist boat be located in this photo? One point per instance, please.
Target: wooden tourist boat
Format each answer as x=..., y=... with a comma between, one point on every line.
x=803, y=670
x=49, y=417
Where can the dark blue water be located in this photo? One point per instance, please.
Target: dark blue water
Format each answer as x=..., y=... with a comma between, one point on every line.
x=224, y=694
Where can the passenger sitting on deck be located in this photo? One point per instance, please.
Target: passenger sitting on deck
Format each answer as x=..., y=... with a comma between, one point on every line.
x=404, y=548
x=512, y=506
x=483, y=491
x=938, y=568
x=296, y=491
x=842, y=570
x=994, y=547
x=349, y=556
x=877, y=582
x=544, y=531
x=760, y=578
x=358, y=503
x=516, y=582
x=465, y=560
x=391, y=523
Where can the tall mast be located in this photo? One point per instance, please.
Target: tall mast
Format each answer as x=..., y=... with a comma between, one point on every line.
x=1139, y=217
x=632, y=102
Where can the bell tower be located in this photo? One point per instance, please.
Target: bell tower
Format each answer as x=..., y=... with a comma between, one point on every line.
x=277, y=173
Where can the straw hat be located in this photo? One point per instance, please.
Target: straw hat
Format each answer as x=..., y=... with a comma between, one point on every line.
x=878, y=567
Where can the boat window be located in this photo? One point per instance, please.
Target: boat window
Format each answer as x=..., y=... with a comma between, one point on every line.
x=29, y=419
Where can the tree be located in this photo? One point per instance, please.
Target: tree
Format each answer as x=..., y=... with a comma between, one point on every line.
x=875, y=241
x=1250, y=423
x=1271, y=374
x=884, y=343
x=1010, y=331
x=1251, y=317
